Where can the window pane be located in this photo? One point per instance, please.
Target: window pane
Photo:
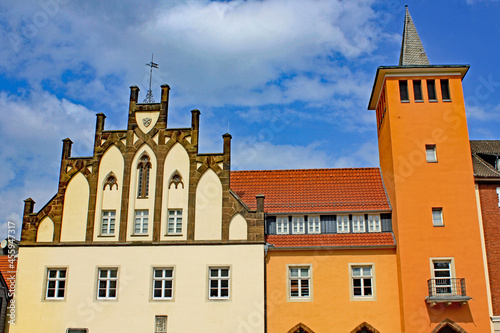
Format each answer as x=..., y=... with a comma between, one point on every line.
x=213, y=293
x=52, y=273
x=445, y=89
x=224, y=272
x=417, y=89
x=224, y=283
x=431, y=89
x=403, y=90
x=367, y=271
x=356, y=271
x=214, y=272
x=224, y=292
x=113, y=273
x=214, y=283
x=294, y=272
x=157, y=293
x=168, y=273
x=112, y=293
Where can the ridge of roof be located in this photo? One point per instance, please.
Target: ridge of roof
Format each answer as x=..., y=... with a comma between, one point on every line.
x=302, y=170
x=412, y=50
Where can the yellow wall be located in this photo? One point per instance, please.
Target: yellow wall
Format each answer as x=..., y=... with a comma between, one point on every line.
x=45, y=232
x=238, y=228
x=331, y=308
x=190, y=311
x=419, y=186
x=75, y=212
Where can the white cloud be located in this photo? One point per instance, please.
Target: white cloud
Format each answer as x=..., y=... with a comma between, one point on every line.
x=31, y=131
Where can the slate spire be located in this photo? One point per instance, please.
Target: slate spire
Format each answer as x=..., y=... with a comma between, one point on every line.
x=412, y=51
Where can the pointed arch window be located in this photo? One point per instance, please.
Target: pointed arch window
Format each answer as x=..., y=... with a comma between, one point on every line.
x=144, y=168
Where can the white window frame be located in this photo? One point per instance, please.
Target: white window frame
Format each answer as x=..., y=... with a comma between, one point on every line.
x=108, y=223
x=300, y=279
x=298, y=225
x=313, y=224
x=161, y=324
x=57, y=280
x=374, y=223
x=141, y=222
x=437, y=217
x=358, y=223
x=439, y=286
x=174, y=222
x=343, y=224
x=110, y=283
x=430, y=153
x=163, y=281
x=282, y=225
x=363, y=278
x=219, y=278
x=498, y=193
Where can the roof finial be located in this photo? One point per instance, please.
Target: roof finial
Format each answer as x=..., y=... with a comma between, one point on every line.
x=149, y=95
x=412, y=51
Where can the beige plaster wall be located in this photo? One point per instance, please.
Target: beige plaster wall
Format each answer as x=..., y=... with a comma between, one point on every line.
x=175, y=198
x=75, y=212
x=134, y=311
x=238, y=228
x=45, y=231
x=208, y=216
x=112, y=161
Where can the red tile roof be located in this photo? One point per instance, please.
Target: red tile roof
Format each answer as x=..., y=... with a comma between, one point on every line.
x=312, y=190
x=333, y=240
x=8, y=271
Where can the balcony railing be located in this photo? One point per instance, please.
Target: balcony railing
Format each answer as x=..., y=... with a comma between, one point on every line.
x=447, y=290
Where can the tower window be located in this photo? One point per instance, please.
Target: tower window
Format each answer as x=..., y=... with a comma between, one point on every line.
x=430, y=153
x=143, y=168
x=431, y=90
x=417, y=90
x=403, y=90
x=445, y=89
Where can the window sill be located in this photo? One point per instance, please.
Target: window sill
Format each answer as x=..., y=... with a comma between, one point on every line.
x=162, y=299
x=419, y=101
x=363, y=298
x=107, y=299
x=405, y=101
x=179, y=234
x=433, y=101
x=139, y=235
x=299, y=299
x=54, y=299
x=447, y=100
x=107, y=235
x=432, y=161
x=219, y=299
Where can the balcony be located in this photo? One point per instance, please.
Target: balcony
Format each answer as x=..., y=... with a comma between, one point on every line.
x=447, y=290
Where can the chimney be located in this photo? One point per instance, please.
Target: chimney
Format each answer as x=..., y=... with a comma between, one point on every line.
x=260, y=202
x=29, y=205
x=134, y=94
x=227, y=151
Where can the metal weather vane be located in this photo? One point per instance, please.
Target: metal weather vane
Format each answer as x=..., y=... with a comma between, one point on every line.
x=149, y=95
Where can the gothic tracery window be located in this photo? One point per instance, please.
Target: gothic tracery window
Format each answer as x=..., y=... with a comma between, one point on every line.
x=143, y=168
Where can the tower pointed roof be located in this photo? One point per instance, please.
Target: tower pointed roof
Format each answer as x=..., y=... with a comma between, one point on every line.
x=412, y=51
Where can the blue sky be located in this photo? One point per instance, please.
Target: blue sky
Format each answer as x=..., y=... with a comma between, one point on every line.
x=290, y=80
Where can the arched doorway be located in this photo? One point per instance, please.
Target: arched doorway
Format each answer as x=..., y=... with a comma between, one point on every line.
x=448, y=326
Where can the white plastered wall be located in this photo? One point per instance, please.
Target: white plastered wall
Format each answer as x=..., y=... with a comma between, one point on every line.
x=109, y=199
x=145, y=203
x=238, y=228
x=75, y=211
x=208, y=216
x=175, y=198
x=134, y=311
x=45, y=232
x=141, y=115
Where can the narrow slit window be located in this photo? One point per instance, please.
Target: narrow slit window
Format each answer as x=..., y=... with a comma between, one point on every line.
x=143, y=169
x=437, y=217
x=430, y=153
x=417, y=90
x=403, y=90
x=445, y=89
x=431, y=90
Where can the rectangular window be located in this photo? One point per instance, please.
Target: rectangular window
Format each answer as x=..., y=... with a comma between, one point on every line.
x=442, y=274
x=299, y=282
x=431, y=90
x=362, y=281
x=163, y=280
x=437, y=217
x=342, y=223
x=313, y=225
x=56, y=283
x=445, y=89
x=358, y=223
x=141, y=222
x=430, y=153
x=282, y=225
x=498, y=193
x=374, y=224
x=107, y=283
x=174, y=221
x=160, y=324
x=77, y=330
x=108, y=222
x=298, y=225
x=403, y=90
x=218, y=283
x=417, y=90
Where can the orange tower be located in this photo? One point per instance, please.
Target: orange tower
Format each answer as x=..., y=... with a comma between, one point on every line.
x=426, y=165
